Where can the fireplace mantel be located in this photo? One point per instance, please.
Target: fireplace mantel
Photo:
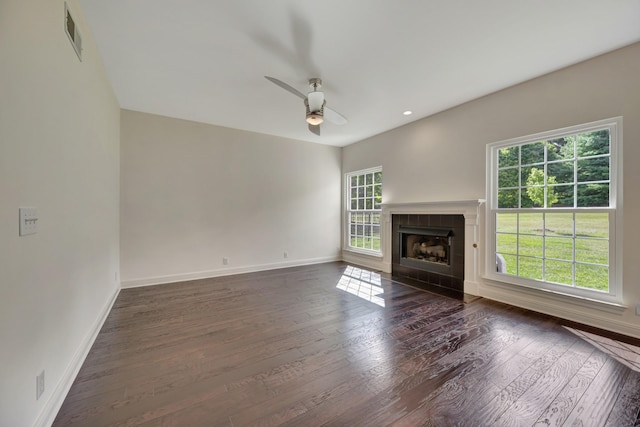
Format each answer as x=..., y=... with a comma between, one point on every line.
x=470, y=209
x=455, y=207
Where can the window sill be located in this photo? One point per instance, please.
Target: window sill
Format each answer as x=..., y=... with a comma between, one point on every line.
x=373, y=254
x=557, y=296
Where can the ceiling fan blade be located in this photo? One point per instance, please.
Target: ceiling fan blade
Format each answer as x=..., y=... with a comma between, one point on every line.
x=334, y=117
x=286, y=87
x=315, y=129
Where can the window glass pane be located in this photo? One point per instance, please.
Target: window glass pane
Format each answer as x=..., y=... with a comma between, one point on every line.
x=375, y=218
x=593, y=169
x=531, y=223
x=592, y=277
x=511, y=262
x=560, y=148
x=593, y=143
x=593, y=195
x=378, y=177
x=354, y=181
x=530, y=268
x=530, y=246
x=508, y=156
x=353, y=229
x=375, y=231
x=559, y=224
x=592, y=225
x=558, y=272
x=531, y=178
x=507, y=243
x=360, y=179
x=360, y=230
x=369, y=191
x=532, y=153
x=508, y=178
x=560, y=248
x=360, y=191
x=360, y=203
x=537, y=195
x=369, y=204
x=592, y=251
x=525, y=200
x=354, y=204
x=507, y=223
x=354, y=193
x=508, y=198
x=561, y=171
x=369, y=178
x=564, y=195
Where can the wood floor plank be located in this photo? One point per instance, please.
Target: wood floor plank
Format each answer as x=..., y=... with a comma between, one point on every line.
x=289, y=348
x=597, y=401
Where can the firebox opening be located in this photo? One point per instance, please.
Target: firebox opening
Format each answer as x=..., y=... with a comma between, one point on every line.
x=429, y=245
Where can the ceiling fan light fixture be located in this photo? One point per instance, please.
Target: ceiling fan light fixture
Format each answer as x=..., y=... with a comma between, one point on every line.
x=315, y=108
x=314, y=118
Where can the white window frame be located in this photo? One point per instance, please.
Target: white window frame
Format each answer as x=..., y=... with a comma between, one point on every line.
x=614, y=295
x=347, y=217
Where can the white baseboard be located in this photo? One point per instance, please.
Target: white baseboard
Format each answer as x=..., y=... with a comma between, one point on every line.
x=172, y=278
x=53, y=405
x=599, y=318
x=471, y=288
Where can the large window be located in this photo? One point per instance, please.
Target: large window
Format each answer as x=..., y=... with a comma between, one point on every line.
x=553, y=202
x=364, y=198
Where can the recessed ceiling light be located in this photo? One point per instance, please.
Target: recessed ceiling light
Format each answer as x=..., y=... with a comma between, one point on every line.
x=407, y=112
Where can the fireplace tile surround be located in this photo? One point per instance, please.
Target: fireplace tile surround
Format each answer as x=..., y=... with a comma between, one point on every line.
x=452, y=278
x=463, y=217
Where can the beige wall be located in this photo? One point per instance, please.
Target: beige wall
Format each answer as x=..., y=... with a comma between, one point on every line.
x=451, y=147
x=193, y=194
x=59, y=152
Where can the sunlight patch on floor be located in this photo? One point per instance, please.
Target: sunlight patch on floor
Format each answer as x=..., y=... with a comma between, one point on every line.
x=364, y=284
x=624, y=353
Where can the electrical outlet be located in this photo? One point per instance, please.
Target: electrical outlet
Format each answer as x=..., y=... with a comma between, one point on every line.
x=39, y=385
x=225, y=261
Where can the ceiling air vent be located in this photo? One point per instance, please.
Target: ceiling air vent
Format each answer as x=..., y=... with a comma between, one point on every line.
x=72, y=31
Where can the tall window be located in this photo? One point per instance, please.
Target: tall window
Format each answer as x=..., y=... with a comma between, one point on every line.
x=364, y=198
x=552, y=200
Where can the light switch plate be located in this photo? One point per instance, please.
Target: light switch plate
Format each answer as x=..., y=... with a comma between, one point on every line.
x=28, y=221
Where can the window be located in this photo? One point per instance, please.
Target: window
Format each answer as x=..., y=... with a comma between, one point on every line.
x=364, y=198
x=553, y=203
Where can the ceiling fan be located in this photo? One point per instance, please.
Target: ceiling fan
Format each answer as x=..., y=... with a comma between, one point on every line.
x=315, y=103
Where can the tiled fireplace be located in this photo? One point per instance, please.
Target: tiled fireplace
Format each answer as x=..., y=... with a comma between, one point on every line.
x=425, y=248
x=433, y=244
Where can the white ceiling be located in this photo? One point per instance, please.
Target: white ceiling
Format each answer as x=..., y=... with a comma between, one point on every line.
x=204, y=60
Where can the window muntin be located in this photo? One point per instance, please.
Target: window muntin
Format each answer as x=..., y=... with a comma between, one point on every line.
x=552, y=201
x=364, y=199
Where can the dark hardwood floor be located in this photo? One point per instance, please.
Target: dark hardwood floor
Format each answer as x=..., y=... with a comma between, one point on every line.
x=319, y=345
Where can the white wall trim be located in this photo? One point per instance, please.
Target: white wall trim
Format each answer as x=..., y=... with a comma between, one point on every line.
x=53, y=405
x=551, y=305
x=172, y=278
x=364, y=260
